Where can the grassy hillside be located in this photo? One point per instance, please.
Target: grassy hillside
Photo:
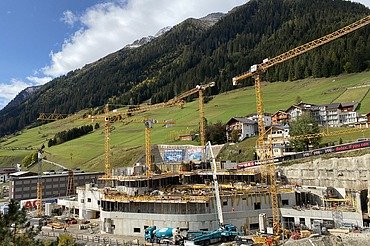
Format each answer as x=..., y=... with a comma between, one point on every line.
x=127, y=140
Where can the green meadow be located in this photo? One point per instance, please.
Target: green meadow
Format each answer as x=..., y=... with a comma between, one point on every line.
x=127, y=139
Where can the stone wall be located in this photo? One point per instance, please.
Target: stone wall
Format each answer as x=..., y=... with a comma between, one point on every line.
x=347, y=172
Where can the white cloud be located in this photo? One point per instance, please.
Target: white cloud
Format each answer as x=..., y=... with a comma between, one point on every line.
x=108, y=27
x=10, y=90
x=364, y=2
x=38, y=80
x=69, y=17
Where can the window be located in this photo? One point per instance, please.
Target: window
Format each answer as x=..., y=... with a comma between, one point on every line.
x=224, y=203
x=257, y=205
x=88, y=199
x=136, y=230
x=82, y=200
x=98, y=203
x=285, y=202
x=302, y=221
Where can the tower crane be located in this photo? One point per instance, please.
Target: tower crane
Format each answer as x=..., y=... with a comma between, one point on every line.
x=113, y=116
x=256, y=72
x=148, y=150
x=179, y=100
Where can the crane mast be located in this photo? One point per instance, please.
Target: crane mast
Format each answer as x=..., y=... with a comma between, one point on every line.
x=39, y=183
x=256, y=72
x=108, y=171
x=216, y=188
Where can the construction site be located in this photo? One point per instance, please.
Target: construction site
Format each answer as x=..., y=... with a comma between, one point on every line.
x=187, y=196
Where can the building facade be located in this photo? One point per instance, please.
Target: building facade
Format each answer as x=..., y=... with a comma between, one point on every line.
x=23, y=185
x=243, y=127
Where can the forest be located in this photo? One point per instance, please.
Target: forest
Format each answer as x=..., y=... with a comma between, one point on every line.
x=192, y=53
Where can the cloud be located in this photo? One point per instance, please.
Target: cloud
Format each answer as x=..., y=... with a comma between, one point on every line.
x=108, y=27
x=69, y=17
x=38, y=80
x=10, y=90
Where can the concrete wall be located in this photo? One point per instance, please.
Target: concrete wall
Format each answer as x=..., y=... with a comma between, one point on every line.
x=349, y=172
x=354, y=218
x=237, y=210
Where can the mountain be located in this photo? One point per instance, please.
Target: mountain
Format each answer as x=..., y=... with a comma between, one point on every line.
x=208, y=20
x=196, y=51
x=144, y=40
x=22, y=96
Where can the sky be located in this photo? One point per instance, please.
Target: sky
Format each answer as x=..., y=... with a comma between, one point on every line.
x=44, y=39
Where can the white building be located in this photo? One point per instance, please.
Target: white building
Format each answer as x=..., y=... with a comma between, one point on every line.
x=244, y=127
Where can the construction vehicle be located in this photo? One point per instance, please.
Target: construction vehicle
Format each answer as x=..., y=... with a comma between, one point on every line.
x=265, y=147
x=225, y=232
x=167, y=235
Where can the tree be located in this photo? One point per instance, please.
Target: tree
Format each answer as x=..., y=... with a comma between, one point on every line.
x=66, y=240
x=235, y=135
x=303, y=125
x=216, y=133
x=14, y=222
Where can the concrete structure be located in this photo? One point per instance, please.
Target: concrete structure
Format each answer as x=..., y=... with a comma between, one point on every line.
x=333, y=207
x=346, y=172
x=350, y=173
x=138, y=202
x=23, y=185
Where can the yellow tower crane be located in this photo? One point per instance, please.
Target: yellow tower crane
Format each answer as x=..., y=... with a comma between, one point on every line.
x=256, y=71
x=180, y=100
x=148, y=148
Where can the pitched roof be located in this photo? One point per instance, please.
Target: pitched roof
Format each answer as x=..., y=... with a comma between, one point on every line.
x=350, y=104
x=243, y=120
x=332, y=105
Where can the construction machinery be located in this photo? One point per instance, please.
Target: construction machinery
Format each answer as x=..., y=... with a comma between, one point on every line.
x=225, y=232
x=116, y=115
x=256, y=71
x=39, y=210
x=166, y=235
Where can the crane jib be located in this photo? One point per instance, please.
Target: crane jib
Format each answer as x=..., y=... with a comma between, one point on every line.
x=304, y=48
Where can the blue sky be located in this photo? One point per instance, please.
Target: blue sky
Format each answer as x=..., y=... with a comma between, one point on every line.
x=43, y=39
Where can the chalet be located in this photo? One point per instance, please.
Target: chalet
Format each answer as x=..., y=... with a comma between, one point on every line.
x=243, y=126
x=280, y=138
x=297, y=110
x=266, y=118
x=349, y=106
x=280, y=117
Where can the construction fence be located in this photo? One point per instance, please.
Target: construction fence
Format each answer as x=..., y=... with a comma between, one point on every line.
x=94, y=239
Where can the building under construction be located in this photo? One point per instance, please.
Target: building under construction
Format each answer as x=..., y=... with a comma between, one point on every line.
x=187, y=201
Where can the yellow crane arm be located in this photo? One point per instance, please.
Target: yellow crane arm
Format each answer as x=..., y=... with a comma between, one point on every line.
x=52, y=116
x=327, y=134
x=255, y=69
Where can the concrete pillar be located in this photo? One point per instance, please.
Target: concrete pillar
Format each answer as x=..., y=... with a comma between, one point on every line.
x=368, y=196
x=81, y=214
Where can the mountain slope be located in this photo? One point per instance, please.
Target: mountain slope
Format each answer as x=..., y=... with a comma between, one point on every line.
x=127, y=140
x=194, y=52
